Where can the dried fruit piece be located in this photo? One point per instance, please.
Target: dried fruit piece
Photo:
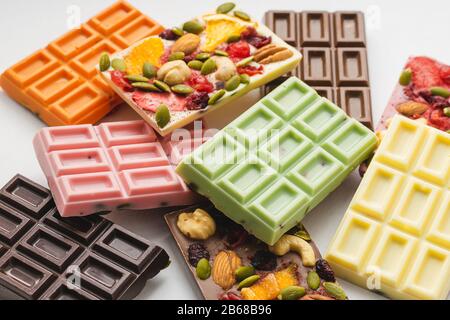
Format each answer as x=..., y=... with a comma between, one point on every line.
x=405, y=77
x=411, y=108
x=313, y=280
x=203, y=269
x=198, y=225
x=193, y=26
x=150, y=51
x=216, y=97
x=196, y=252
x=168, y=34
x=105, y=62
x=264, y=261
x=292, y=293
x=225, y=265
x=197, y=101
x=119, y=65
x=162, y=116
x=335, y=290
x=248, y=282
x=325, y=271
x=244, y=272
x=226, y=7
x=251, y=36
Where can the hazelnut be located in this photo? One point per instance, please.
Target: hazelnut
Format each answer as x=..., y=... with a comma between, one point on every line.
x=198, y=225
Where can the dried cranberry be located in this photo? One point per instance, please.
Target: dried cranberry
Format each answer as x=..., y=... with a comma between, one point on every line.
x=324, y=270
x=251, y=70
x=238, y=50
x=197, y=252
x=236, y=237
x=264, y=260
x=118, y=77
x=197, y=101
x=168, y=34
x=230, y=296
x=258, y=41
x=200, y=83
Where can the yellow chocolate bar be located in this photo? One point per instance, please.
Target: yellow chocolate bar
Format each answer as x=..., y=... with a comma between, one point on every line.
x=395, y=237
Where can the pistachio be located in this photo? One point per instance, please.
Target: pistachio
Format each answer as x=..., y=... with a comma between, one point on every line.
x=225, y=8
x=245, y=61
x=149, y=70
x=177, y=56
x=447, y=111
x=335, y=290
x=233, y=83
x=203, y=56
x=187, y=44
x=136, y=78
x=292, y=293
x=203, y=269
x=162, y=116
x=245, y=78
x=216, y=97
x=119, y=65
x=195, y=64
x=405, y=77
x=162, y=86
x=304, y=235
x=440, y=91
x=221, y=53
x=105, y=62
x=182, y=89
x=244, y=272
x=193, y=26
x=209, y=67
x=313, y=280
x=233, y=38
x=242, y=15
x=248, y=282
x=145, y=86
x=178, y=32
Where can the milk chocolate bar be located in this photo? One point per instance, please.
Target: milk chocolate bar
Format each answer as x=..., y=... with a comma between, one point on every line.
x=46, y=257
x=334, y=56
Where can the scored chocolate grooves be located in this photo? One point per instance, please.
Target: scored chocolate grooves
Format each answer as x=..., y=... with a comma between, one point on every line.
x=46, y=257
x=334, y=56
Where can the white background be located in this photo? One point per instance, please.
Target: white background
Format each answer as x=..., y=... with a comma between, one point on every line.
x=395, y=30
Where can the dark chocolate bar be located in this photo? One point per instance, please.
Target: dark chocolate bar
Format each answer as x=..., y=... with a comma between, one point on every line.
x=46, y=257
x=334, y=56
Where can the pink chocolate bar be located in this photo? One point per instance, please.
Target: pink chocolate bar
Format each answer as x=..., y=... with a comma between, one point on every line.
x=119, y=165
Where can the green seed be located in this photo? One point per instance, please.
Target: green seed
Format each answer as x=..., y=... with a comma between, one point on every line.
x=177, y=56
x=335, y=290
x=162, y=86
x=119, y=65
x=303, y=235
x=182, y=89
x=105, y=62
x=232, y=39
x=439, y=91
x=203, y=269
x=405, y=77
x=193, y=27
x=313, y=280
x=242, y=15
x=216, y=97
x=225, y=8
x=137, y=78
x=244, y=272
x=248, y=282
x=233, y=83
x=245, y=78
x=221, y=53
x=448, y=131
x=447, y=111
x=195, y=64
x=146, y=86
x=292, y=293
x=149, y=70
x=178, y=32
x=203, y=56
x=245, y=62
x=209, y=67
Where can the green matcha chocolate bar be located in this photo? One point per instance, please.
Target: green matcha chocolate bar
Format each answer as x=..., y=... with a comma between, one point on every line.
x=279, y=160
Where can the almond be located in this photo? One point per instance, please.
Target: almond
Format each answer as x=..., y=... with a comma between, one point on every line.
x=411, y=108
x=316, y=297
x=225, y=265
x=187, y=44
x=279, y=56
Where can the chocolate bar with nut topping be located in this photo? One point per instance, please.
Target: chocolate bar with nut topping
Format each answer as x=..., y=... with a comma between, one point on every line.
x=334, y=56
x=46, y=257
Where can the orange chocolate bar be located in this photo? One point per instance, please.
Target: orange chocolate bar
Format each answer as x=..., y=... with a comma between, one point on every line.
x=61, y=83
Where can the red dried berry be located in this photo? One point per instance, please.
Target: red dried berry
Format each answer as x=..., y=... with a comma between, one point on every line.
x=258, y=41
x=197, y=252
x=230, y=296
x=251, y=70
x=264, y=261
x=200, y=83
x=197, y=101
x=168, y=34
x=238, y=50
x=426, y=72
x=118, y=77
x=325, y=271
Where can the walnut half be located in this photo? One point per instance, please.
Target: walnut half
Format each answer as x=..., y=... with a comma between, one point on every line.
x=198, y=225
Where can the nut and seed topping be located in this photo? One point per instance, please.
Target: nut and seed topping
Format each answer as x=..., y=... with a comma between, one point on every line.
x=226, y=8
x=182, y=89
x=193, y=26
x=405, y=77
x=216, y=97
x=203, y=269
x=233, y=83
x=105, y=62
x=242, y=15
x=119, y=65
x=149, y=70
x=162, y=116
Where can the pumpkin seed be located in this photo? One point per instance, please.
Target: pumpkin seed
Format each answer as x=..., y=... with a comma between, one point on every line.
x=245, y=272
x=242, y=15
x=405, y=77
x=234, y=38
x=182, y=89
x=177, y=56
x=244, y=62
x=245, y=78
x=335, y=290
x=303, y=235
x=221, y=53
x=149, y=70
x=203, y=56
x=248, y=282
x=233, y=83
x=216, y=97
x=209, y=67
x=105, y=62
x=447, y=111
x=162, y=86
x=292, y=293
x=313, y=280
x=203, y=269
x=178, y=32
x=146, y=86
x=119, y=65
x=225, y=8
x=439, y=91
x=137, y=78
x=195, y=64
x=193, y=27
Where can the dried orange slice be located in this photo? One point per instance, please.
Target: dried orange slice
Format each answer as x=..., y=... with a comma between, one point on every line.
x=150, y=50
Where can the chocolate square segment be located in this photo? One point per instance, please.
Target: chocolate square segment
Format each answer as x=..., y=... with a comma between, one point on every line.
x=284, y=25
x=315, y=29
x=61, y=291
x=27, y=197
x=13, y=225
x=349, y=29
